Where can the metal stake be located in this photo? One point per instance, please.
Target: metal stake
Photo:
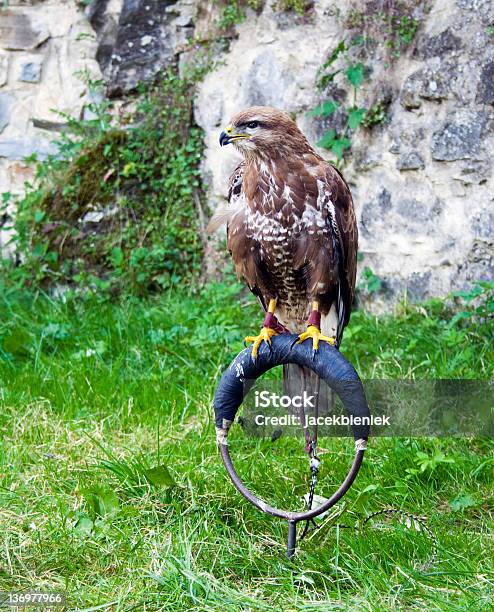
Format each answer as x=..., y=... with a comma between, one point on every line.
x=292, y=539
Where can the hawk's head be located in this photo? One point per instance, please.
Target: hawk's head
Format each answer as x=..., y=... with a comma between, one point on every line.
x=264, y=131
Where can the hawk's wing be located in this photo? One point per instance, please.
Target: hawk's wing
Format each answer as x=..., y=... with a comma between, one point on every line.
x=347, y=225
x=344, y=234
x=244, y=249
x=235, y=183
x=327, y=247
x=224, y=213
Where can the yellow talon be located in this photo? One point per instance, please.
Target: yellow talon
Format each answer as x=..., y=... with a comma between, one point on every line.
x=315, y=333
x=266, y=334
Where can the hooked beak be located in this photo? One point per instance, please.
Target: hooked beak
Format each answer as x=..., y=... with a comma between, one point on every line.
x=224, y=139
x=228, y=136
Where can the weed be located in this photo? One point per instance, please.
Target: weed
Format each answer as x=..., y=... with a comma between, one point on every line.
x=233, y=12
x=231, y=15
x=375, y=115
x=117, y=206
x=369, y=282
x=297, y=6
x=395, y=28
x=354, y=75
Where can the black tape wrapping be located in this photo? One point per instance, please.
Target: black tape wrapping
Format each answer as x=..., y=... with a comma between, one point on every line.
x=328, y=363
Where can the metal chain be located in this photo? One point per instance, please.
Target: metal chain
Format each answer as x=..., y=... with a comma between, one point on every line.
x=416, y=519
x=314, y=470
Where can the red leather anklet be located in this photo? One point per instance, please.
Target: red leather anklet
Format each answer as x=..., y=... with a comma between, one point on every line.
x=315, y=319
x=272, y=322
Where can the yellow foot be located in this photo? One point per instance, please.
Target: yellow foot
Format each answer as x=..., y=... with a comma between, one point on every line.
x=315, y=333
x=266, y=334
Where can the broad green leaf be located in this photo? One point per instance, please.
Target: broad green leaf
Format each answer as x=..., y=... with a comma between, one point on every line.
x=357, y=40
x=371, y=282
x=462, y=501
x=129, y=169
x=470, y=295
x=363, y=496
x=117, y=257
x=356, y=116
x=339, y=145
x=159, y=476
x=98, y=348
x=355, y=74
x=39, y=215
x=40, y=249
x=56, y=331
x=486, y=284
x=327, y=140
x=84, y=525
x=369, y=488
x=101, y=500
x=325, y=109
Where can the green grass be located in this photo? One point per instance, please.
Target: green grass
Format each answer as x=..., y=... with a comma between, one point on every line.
x=94, y=395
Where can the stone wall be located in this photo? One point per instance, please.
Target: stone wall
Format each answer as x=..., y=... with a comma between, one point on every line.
x=44, y=49
x=422, y=181
x=46, y=46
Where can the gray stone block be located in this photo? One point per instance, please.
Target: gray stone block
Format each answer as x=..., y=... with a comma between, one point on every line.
x=375, y=212
x=19, y=148
x=6, y=101
x=439, y=44
x=19, y=33
x=410, y=161
x=4, y=68
x=459, y=137
x=145, y=43
x=485, y=91
x=428, y=84
x=31, y=71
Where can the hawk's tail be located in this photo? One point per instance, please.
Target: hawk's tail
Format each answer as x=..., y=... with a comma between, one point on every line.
x=317, y=397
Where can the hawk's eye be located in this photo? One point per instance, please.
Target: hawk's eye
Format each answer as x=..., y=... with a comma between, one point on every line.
x=252, y=124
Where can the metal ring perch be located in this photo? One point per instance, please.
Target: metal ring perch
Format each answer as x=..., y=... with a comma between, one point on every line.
x=330, y=365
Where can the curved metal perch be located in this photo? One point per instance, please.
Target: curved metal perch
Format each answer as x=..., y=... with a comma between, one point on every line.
x=330, y=365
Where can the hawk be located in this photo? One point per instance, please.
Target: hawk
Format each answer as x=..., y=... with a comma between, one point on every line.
x=291, y=229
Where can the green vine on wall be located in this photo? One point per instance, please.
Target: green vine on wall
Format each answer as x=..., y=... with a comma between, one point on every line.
x=395, y=29
x=353, y=75
x=297, y=6
x=117, y=206
x=234, y=11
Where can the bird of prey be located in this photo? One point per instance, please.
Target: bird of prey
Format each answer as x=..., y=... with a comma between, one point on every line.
x=291, y=229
